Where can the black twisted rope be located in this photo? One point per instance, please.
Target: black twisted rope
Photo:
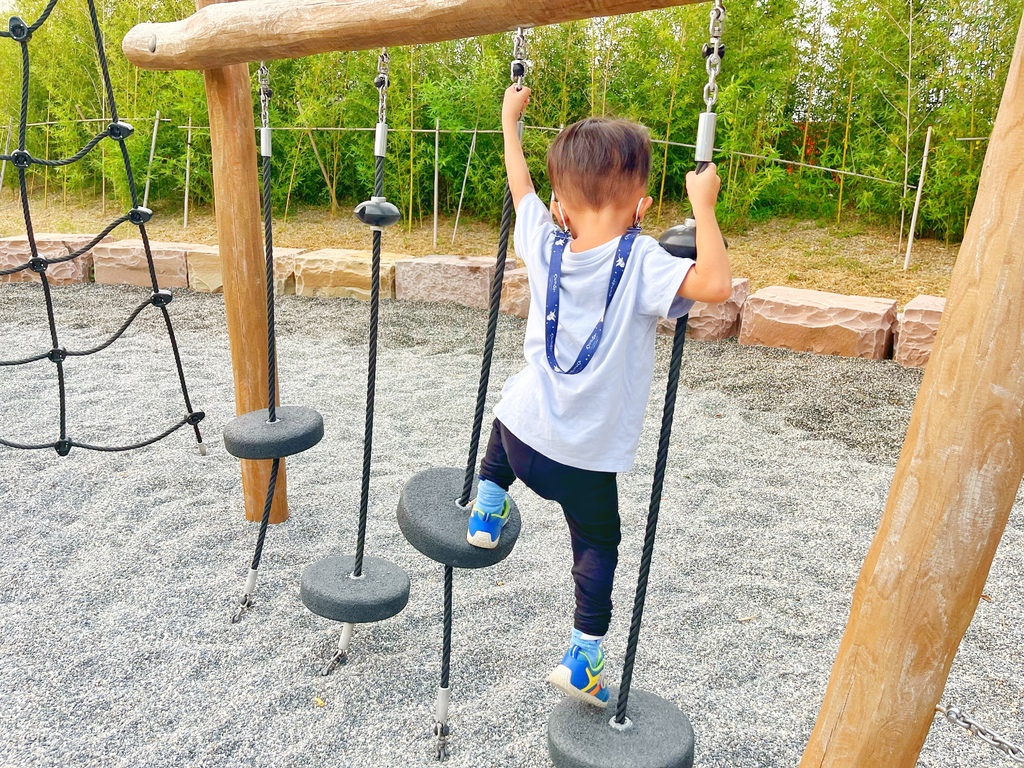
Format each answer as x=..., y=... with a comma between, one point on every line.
x=446, y=643
x=43, y=16
x=82, y=353
x=38, y=23
x=22, y=161
x=268, y=245
x=265, y=520
x=73, y=254
x=89, y=147
x=268, y=239
x=371, y=376
x=492, y=327
x=657, y=485
x=65, y=445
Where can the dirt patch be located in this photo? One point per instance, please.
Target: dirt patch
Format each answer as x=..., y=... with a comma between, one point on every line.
x=853, y=258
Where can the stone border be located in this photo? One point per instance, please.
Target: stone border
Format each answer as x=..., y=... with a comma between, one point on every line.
x=779, y=316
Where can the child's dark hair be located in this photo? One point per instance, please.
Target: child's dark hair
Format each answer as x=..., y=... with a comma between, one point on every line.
x=600, y=161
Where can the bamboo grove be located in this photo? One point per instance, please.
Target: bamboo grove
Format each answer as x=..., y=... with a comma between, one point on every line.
x=849, y=86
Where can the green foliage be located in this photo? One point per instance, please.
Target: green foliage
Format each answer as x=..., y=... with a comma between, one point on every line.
x=851, y=86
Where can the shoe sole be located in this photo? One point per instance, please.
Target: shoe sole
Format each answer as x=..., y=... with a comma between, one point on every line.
x=482, y=540
x=561, y=678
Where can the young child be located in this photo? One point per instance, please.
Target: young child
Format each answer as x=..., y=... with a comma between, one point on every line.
x=572, y=418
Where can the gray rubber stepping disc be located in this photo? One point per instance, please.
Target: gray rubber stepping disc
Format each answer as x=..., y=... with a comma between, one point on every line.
x=579, y=735
x=328, y=589
x=250, y=436
x=433, y=522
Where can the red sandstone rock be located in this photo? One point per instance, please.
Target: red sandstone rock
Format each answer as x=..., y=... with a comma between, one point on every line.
x=14, y=251
x=714, y=322
x=123, y=262
x=816, y=321
x=463, y=280
x=918, y=326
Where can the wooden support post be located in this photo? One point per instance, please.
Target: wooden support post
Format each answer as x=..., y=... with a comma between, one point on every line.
x=243, y=265
x=952, y=490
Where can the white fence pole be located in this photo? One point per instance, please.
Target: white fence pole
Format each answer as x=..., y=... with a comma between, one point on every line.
x=152, y=151
x=437, y=147
x=7, y=151
x=465, y=178
x=188, y=167
x=917, y=201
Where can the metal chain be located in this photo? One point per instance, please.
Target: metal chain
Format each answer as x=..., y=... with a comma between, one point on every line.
x=265, y=94
x=519, y=60
x=955, y=716
x=712, y=53
x=382, y=82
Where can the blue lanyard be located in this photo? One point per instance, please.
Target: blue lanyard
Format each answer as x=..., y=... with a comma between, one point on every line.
x=554, y=284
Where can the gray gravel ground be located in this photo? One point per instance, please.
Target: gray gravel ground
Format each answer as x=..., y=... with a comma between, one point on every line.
x=118, y=572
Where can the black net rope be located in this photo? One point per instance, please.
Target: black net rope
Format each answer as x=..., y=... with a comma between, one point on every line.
x=660, y=465
x=21, y=33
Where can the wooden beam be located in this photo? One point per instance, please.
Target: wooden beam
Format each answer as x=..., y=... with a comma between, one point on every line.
x=954, y=485
x=256, y=30
x=243, y=262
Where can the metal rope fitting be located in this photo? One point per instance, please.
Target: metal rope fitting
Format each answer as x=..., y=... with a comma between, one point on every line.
x=263, y=76
x=713, y=52
x=519, y=65
x=18, y=30
x=21, y=159
x=120, y=130
x=382, y=81
x=139, y=216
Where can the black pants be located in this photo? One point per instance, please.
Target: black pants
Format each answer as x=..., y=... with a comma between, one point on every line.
x=590, y=501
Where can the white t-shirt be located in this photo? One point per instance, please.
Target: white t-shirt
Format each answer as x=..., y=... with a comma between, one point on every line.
x=592, y=419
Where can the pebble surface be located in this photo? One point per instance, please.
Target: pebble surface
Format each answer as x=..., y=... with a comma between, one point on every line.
x=118, y=572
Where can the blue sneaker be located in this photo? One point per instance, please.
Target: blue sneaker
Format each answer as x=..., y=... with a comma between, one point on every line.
x=581, y=676
x=485, y=527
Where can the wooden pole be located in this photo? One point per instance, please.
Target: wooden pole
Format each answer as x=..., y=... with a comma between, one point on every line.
x=952, y=491
x=243, y=265
x=917, y=199
x=235, y=33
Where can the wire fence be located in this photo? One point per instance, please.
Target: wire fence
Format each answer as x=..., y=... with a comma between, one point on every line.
x=437, y=131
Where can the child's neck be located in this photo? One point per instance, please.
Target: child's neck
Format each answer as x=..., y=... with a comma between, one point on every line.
x=592, y=228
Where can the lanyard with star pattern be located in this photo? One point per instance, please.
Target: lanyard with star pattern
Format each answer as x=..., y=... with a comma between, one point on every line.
x=554, y=283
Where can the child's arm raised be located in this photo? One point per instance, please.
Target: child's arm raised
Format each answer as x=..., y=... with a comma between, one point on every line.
x=710, y=279
x=519, y=182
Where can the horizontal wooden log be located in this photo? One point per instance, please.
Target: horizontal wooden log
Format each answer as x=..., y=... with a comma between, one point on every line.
x=258, y=30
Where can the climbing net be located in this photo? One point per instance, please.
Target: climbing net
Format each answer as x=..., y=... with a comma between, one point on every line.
x=117, y=131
